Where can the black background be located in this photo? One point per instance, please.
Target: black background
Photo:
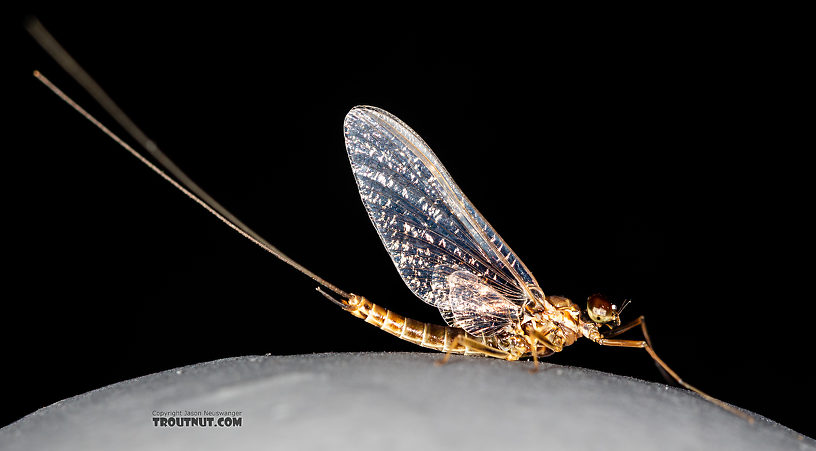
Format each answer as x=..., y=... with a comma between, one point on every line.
x=646, y=158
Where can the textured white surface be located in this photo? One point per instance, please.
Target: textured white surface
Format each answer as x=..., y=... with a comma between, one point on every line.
x=396, y=401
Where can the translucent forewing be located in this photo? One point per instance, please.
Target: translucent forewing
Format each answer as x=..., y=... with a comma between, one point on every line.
x=427, y=225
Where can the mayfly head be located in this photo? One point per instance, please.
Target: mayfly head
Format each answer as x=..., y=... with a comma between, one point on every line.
x=601, y=311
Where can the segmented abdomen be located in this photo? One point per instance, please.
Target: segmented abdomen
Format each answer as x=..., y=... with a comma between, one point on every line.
x=427, y=335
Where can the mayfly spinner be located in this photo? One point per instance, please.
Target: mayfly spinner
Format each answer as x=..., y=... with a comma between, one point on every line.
x=442, y=247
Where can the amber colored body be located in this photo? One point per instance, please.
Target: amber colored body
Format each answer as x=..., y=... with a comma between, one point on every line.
x=446, y=339
x=541, y=333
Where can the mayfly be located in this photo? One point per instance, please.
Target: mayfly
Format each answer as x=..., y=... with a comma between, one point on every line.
x=443, y=248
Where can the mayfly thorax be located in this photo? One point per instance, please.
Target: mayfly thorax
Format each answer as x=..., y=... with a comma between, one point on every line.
x=445, y=251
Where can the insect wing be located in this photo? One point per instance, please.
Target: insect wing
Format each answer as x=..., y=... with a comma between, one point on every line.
x=427, y=225
x=476, y=307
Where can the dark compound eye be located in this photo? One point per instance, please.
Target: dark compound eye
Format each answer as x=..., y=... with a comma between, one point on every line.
x=599, y=309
